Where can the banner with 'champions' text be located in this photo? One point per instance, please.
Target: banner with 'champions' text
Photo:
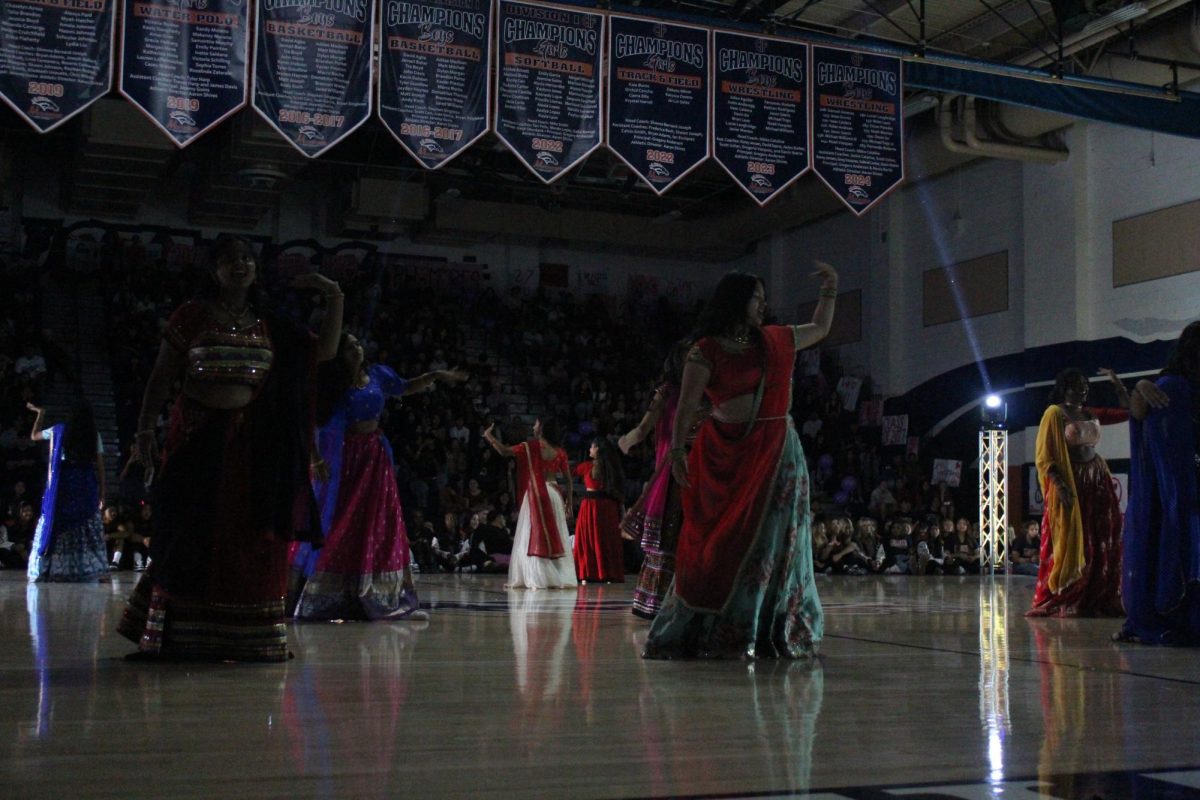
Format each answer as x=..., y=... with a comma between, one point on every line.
x=434, y=83
x=658, y=100
x=760, y=111
x=313, y=69
x=858, y=124
x=548, y=85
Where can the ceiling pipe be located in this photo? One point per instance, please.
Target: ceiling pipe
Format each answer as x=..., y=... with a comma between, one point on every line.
x=945, y=122
x=1020, y=152
x=1084, y=40
x=981, y=148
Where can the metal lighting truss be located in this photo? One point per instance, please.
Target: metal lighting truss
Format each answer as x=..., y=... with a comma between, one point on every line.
x=993, y=499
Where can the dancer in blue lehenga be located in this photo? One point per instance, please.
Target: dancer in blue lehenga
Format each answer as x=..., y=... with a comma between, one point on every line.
x=1160, y=579
x=68, y=543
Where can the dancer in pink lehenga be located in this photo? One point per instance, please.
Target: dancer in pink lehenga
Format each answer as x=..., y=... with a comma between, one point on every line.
x=364, y=571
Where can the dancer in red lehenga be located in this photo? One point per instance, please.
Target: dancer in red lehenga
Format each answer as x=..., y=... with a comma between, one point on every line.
x=598, y=550
x=1079, y=572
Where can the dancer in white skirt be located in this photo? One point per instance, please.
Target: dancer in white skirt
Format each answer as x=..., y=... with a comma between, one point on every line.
x=541, y=555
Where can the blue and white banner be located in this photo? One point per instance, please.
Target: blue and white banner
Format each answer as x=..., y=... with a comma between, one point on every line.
x=548, y=85
x=55, y=57
x=185, y=67
x=658, y=100
x=434, y=84
x=858, y=124
x=313, y=69
x=760, y=111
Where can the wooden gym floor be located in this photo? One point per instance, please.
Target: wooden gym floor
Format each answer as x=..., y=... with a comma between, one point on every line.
x=926, y=687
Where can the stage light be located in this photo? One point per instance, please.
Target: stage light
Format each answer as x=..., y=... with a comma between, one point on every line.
x=993, y=413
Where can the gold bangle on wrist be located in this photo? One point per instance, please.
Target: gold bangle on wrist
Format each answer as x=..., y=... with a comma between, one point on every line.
x=828, y=292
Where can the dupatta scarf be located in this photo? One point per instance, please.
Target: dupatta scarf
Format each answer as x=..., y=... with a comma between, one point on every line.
x=43, y=534
x=532, y=470
x=1066, y=522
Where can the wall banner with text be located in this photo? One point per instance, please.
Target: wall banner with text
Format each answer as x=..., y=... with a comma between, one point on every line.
x=760, y=111
x=548, y=85
x=857, y=124
x=434, y=84
x=658, y=100
x=185, y=68
x=313, y=69
x=55, y=57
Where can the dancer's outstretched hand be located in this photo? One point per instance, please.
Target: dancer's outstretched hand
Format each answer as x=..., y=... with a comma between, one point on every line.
x=625, y=443
x=455, y=375
x=825, y=272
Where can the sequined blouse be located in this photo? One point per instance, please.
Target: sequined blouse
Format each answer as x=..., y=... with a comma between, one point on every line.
x=220, y=354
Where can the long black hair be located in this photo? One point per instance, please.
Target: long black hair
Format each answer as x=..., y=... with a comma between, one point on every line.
x=1063, y=381
x=726, y=309
x=334, y=379
x=672, y=367
x=552, y=431
x=608, y=467
x=1185, y=356
x=79, y=437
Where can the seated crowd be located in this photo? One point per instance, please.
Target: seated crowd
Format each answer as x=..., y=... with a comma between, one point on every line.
x=590, y=362
x=28, y=359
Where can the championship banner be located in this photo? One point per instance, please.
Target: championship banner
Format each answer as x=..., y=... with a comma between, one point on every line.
x=313, y=69
x=434, y=86
x=658, y=101
x=55, y=57
x=760, y=111
x=186, y=68
x=858, y=124
x=548, y=85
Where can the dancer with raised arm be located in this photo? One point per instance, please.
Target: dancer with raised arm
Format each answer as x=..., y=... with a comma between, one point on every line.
x=744, y=584
x=68, y=542
x=541, y=555
x=364, y=570
x=233, y=488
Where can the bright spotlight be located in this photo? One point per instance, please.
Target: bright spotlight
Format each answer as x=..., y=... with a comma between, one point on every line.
x=994, y=413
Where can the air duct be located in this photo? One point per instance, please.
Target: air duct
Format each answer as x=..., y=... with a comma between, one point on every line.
x=973, y=145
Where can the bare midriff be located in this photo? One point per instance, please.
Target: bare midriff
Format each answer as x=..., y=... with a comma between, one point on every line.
x=735, y=410
x=225, y=397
